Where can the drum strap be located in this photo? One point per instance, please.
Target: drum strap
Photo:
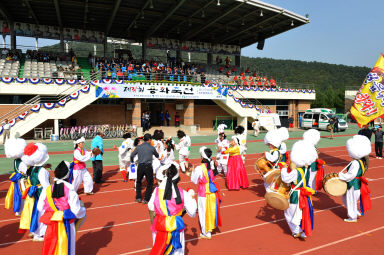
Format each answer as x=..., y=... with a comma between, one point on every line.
x=301, y=181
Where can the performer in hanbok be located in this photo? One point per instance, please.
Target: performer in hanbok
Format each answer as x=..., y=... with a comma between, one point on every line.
x=273, y=141
x=284, y=135
x=317, y=168
x=124, y=156
x=157, y=142
x=208, y=200
x=241, y=136
x=80, y=171
x=184, y=149
x=35, y=156
x=220, y=128
x=222, y=159
x=168, y=202
x=167, y=158
x=256, y=127
x=14, y=148
x=60, y=207
x=299, y=215
x=236, y=174
x=358, y=148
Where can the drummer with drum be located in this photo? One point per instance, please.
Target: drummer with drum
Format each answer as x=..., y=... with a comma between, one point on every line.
x=357, y=186
x=299, y=214
x=273, y=141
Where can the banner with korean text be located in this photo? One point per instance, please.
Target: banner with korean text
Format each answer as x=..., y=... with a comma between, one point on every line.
x=369, y=101
x=157, y=91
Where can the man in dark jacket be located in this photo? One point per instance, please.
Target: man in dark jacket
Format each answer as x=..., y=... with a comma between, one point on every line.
x=379, y=141
x=144, y=152
x=367, y=133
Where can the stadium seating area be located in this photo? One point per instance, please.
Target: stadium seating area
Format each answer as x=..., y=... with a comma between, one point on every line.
x=38, y=64
x=9, y=68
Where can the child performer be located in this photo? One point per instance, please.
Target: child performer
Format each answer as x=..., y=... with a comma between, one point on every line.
x=167, y=158
x=236, y=174
x=124, y=156
x=184, y=149
x=157, y=142
x=14, y=148
x=80, y=172
x=284, y=135
x=222, y=159
x=220, y=128
x=60, y=206
x=208, y=193
x=168, y=202
x=317, y=167
x=299, y=215
x=242, y=138
x=358, y=148
x=35, y=156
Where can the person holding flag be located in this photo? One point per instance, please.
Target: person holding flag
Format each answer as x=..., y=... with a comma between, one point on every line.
x=60, y=207
x=358, y=147
x=369, y=101
x=208, y=193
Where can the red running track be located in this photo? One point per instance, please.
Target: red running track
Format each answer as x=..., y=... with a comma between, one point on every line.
x=117, y=225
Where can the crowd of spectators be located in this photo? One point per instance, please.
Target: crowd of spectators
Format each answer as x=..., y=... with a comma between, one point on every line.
x=53, y=64
x=12, y=55
x=127, y=68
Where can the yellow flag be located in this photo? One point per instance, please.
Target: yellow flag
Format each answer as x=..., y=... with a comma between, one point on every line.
x=369, y=101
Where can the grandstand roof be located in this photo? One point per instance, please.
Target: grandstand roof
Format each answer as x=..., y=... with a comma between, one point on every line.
x=233, y=22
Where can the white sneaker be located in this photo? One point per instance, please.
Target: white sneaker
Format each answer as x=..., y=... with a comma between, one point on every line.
x=17, y=214
x=38, y=239
x=349, y=220
x=205, y=236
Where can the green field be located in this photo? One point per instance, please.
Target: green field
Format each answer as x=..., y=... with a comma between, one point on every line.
x=110, y=157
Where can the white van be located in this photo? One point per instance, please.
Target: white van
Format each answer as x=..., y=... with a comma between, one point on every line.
x=318, y=118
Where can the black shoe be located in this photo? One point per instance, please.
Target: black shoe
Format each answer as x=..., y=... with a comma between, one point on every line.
x=138, y=200
x=99, y=182
x=145, y=202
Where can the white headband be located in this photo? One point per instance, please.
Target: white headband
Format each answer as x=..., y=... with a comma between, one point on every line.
x=202, y=153
x=80, y=140
x=236, y=140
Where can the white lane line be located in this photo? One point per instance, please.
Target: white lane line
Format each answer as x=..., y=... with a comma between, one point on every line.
x=243, y=228
x=189, y=240
x=339, y=241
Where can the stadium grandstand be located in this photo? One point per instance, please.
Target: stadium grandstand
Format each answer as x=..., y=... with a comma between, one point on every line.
x=44, y=89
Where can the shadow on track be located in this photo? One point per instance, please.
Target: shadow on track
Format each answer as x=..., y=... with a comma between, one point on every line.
x=9, y=234
x=93, y=241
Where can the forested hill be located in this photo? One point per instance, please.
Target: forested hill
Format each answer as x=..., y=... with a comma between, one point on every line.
x=330, y=80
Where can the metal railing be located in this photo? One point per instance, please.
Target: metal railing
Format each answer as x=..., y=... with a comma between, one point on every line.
x=14, y=113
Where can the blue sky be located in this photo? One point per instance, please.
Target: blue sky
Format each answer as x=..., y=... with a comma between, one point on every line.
x=340, y=32
x=348, y=32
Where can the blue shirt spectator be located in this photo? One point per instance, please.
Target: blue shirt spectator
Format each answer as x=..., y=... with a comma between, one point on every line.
x=97, y=142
